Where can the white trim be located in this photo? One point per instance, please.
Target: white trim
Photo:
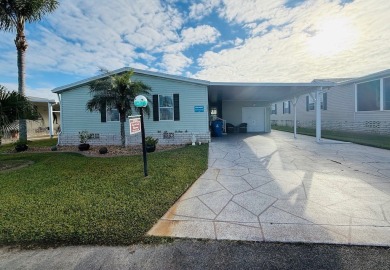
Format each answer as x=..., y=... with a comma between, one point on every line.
x=318, y=115
x=124, y=69
x=173, y=108
x=370, y=77
x=119, y=117
x=381, y=99
x=50, y=112
x=356, y=98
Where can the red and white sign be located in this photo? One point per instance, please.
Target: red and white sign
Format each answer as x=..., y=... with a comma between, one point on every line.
x=135, y=125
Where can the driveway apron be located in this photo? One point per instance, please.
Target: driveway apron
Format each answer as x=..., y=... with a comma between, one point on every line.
x=271, y=187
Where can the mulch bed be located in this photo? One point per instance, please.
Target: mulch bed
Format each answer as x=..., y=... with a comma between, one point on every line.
x=113, y=150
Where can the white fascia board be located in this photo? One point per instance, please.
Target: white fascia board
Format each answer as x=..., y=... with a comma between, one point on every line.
x=137, y=71
x=373, y=76
x=38, y=99
x=268, y=84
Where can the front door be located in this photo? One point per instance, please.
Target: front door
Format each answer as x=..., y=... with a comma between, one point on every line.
x=254, y=117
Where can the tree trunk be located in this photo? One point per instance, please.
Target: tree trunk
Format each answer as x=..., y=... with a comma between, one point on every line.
x=122, y=117
x=21, y=47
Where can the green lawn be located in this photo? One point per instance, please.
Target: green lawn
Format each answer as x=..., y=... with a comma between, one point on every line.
x=380, y=141
x=67, y=198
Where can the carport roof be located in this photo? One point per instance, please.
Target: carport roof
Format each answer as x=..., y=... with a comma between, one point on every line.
x=265, y=92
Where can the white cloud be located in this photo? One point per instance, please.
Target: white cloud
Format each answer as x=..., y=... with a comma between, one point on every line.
x=44, y=92
x=202, y=34
x=175, y=63
x=283, y=53
x=250, y=11
x=202, y=9
x=82, y=35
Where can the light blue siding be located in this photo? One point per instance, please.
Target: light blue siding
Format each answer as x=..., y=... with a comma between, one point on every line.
x=76, y=118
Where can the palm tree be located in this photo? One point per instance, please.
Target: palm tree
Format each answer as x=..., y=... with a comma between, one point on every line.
x=14, y=106
x=13, y=15
x=117, y=92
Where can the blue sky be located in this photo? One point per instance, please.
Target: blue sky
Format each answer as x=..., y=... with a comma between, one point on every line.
x=218, y=40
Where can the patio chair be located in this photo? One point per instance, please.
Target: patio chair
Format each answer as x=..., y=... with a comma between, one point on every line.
x=242, y=128
x=229, y=128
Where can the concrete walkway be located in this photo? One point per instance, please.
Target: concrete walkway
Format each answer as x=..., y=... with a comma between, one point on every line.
x=273, y=188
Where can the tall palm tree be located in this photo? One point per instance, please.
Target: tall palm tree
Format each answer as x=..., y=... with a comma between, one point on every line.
x=14, y=106
x=13, y=15
x=117, y=92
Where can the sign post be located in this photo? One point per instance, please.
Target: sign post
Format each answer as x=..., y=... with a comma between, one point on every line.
x=141, y=102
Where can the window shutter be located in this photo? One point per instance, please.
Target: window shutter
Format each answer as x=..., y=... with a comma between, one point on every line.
x=284, y=110
x=176, y=107
x=325, y=101
x=307, y=103
x=276, y=108
x=289, y=107
x=103, y=113
x=155, y=108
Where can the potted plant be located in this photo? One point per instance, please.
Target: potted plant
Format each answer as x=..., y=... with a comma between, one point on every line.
x=84, y=136
x=150, y=143
x=21, y=145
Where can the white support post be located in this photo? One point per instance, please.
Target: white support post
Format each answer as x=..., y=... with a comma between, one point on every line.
x=318, y=115
x=50, y=111
x=294, y=102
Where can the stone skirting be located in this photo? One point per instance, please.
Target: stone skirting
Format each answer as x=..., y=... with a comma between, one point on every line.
x=114, y=139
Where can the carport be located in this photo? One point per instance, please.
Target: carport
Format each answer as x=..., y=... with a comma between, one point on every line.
x=234, y=99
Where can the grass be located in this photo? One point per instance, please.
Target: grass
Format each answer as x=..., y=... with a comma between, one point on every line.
x=37, y=143
x=67, y=198
x=379, y=141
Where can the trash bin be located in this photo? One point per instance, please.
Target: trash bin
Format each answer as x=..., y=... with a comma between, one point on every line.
x=217, y=128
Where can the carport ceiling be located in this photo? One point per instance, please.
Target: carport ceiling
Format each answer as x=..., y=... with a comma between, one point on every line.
x=265, y=92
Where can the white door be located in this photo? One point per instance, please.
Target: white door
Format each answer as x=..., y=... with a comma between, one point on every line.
x=255, y=118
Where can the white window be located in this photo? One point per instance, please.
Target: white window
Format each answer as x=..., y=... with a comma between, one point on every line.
x=368, y=96
x=112, y=115
x=286, y=107
x=165, y=107
x=274, y=109
x=311, y=103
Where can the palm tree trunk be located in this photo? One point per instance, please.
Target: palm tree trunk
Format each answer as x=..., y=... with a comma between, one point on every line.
x=122, y=117
x=21, y=47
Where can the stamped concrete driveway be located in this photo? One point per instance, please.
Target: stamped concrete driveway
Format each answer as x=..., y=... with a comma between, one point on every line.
x=273, y=188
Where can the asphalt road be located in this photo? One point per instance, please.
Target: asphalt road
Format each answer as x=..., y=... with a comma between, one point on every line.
x=196, y=254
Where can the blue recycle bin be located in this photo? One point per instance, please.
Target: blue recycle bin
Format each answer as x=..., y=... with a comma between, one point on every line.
x=217, y=127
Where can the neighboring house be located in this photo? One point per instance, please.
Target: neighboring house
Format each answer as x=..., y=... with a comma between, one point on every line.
x=354, y=105
x=41, y=127
x=181, y=107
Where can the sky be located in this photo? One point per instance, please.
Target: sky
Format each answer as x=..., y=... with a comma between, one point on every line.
x=216, y=40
